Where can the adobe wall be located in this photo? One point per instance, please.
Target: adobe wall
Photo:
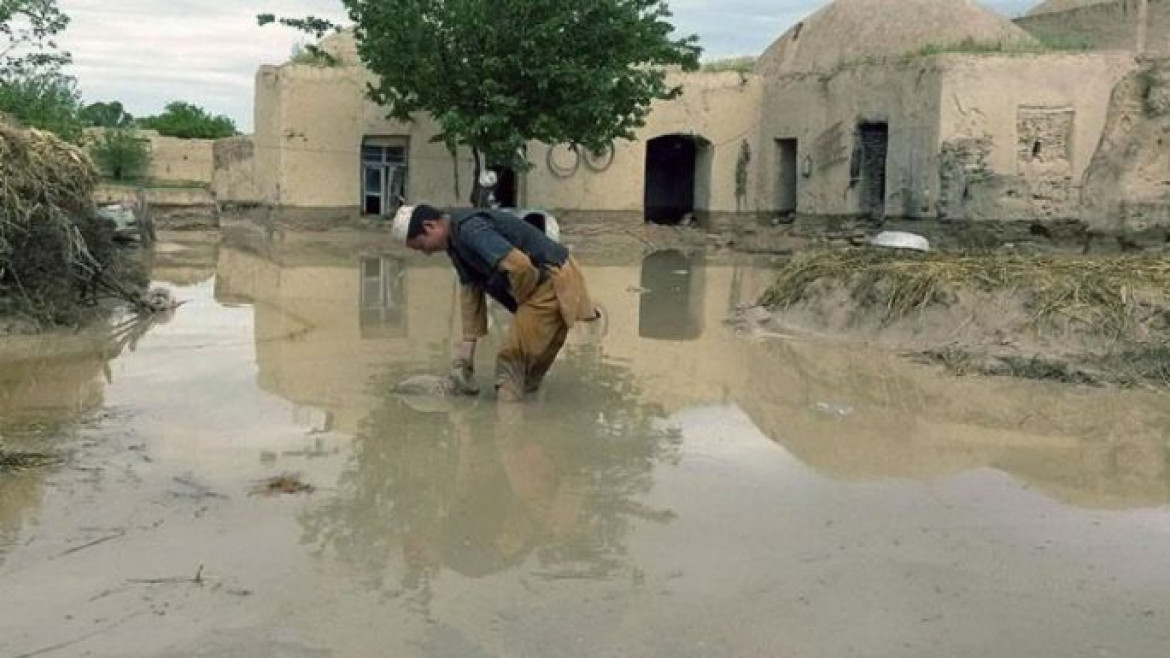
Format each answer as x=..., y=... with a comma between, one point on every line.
x=822, y=113
x=1017, y=132
x=720, y=109
x=174, y=159
x=234, y=176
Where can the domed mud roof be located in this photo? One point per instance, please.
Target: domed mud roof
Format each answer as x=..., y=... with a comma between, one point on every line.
x=860, y=30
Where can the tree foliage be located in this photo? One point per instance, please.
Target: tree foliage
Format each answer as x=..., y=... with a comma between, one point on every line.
x=33, y=90
x=106, y=115
x=28, y=29
x=309, y=53
x=120, y=153
x=497, y=74
x=46, y=100
x=189, y=122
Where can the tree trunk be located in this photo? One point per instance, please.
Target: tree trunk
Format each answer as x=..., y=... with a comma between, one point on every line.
x=479, y=197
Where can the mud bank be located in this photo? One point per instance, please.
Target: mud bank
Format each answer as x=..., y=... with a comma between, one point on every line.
x=1063, y=317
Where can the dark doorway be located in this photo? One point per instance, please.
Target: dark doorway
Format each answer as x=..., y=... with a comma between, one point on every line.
x=786, y=150
x=506, y=187
x=670, y=178
x=874, y=140
x=671, y=307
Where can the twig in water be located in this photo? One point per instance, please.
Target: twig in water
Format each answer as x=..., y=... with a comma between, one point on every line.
x=117, y=535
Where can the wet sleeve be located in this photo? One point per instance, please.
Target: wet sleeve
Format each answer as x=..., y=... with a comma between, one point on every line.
x=480, y=236
x=523, y=277
x=473, y=307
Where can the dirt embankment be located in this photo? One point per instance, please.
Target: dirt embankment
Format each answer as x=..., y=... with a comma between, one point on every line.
x=1065, y=317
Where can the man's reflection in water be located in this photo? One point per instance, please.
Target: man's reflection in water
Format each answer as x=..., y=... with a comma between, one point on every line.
x=547, y=491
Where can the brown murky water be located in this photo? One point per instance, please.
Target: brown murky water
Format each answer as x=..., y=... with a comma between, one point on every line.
x=677, y=490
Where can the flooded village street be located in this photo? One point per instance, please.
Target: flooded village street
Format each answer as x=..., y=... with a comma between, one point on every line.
x=680, y=488
x=857, y=314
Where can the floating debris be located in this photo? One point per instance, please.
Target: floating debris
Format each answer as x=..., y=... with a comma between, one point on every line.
x=158, y=300
x=289, y=483
x=20, y=461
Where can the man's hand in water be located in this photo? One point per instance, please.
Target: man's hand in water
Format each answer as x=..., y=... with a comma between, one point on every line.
x=463, y=377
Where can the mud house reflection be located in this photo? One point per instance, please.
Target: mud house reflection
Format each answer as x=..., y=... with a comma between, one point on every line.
x=550, y=490
x=673, y=288
x=382, y=306
x=845, y=410
x=866, y=415
x=325, y=324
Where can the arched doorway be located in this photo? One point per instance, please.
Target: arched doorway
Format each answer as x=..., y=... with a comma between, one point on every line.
x=671, y=165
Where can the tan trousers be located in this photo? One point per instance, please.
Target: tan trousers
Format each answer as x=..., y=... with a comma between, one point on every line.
x=539, y=329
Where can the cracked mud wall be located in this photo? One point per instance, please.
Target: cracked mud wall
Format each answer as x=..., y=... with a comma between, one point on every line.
x=1018, y=132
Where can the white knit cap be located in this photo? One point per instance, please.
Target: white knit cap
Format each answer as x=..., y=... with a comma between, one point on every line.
x=401, y=224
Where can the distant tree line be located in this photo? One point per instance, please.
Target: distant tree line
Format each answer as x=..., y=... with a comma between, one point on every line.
x=36, y=92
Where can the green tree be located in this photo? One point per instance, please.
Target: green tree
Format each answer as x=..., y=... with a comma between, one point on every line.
x=189, y=122
x=497, y=74
x=33, y=90
x=106, y=115
x=27, y=32
x=46, y=100
x=120, y=153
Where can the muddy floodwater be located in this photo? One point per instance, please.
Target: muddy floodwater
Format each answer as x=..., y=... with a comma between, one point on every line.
x=678, y=489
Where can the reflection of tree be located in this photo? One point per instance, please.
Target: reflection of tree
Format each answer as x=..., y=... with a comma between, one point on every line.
x=478, y=489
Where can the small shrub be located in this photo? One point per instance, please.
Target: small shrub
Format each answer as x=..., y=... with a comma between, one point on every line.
x=120, y=154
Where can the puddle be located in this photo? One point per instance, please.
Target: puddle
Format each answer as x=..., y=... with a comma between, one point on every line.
x=676, y=490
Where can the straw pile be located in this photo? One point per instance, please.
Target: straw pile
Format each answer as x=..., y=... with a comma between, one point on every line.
x=51, y=244
x=1108, y=296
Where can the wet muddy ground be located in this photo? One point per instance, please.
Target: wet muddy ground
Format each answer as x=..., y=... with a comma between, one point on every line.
x=240, y=480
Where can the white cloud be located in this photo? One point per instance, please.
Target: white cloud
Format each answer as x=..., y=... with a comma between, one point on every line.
x=146, y=53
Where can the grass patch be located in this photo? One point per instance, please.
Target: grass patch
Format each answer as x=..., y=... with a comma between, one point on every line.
x=311, y=55
x=1108, y=295
x=730, y=64
x=1044, y=44
x=1148, y=364
x=1048, y=43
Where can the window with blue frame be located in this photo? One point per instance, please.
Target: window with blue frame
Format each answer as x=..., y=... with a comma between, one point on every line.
x=384, y=165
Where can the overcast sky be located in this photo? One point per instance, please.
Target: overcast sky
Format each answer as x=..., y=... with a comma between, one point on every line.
x=148, y=52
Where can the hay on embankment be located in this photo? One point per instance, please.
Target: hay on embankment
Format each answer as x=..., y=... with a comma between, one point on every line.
x=1106, y=317
x=52, y=246
x=1108, y=295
